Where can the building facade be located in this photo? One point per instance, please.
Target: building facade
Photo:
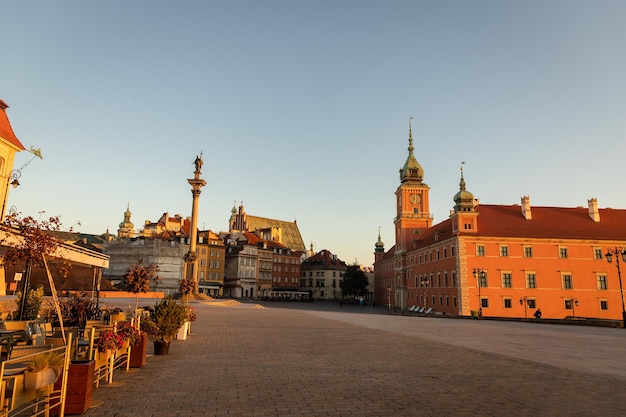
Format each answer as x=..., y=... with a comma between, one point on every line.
x=321, y=274
x=167, y=254
x=242, y=266
x=211, y=263
x=499, y=260
x=285, y=272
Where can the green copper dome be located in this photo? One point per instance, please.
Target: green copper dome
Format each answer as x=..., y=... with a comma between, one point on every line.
x=464, y=200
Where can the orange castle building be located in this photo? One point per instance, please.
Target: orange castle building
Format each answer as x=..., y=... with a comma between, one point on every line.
x=499, y=260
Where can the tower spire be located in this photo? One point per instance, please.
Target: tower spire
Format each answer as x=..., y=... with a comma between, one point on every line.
x=411, y=148
x=412, y=171
x=464, y=199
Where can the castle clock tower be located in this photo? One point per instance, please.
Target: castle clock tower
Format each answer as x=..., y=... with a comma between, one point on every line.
x=412, y=206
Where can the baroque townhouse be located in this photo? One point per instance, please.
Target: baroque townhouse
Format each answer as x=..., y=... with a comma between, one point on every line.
x=211, y=263
x=321, y=275
x=499, y=260
x=285, y=272
x=242, y=266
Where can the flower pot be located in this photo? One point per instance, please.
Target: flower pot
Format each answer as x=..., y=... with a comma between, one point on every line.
x=138, y=353
x=39, y=379
x=161, y=347
x=183, y=332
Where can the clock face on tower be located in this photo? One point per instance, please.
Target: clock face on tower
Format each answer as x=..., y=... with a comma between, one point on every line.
x=415, y=198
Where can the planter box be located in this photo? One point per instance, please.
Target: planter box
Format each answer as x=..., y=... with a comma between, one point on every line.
x=117, y=317
x=79, y=388
x=39, y=379
x=138, y=353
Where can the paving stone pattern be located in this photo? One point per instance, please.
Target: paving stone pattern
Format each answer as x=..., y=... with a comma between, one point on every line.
x=282, y=362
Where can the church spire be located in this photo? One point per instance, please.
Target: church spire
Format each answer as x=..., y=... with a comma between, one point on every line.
x=126, y=228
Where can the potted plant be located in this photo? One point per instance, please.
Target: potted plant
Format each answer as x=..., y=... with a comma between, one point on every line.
x=31, y=304
x=108, y=340
x=163, y=322
x=137, y=279
x=186, y=286
x=185, y=330
x=77, y=309
x=43, y=369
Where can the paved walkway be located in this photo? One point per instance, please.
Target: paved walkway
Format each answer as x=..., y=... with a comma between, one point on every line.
x=322, y=360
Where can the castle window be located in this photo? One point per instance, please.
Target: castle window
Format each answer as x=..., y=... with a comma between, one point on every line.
x=528, y=251
x=563, y=253
x=604, y=305
x=506, y=280
x=507, y=303
x=602, y=285
x=504, y=251
x=482, y=280
x=597, y=253
x=480, y=250
x=531, y=280
x=567, y=282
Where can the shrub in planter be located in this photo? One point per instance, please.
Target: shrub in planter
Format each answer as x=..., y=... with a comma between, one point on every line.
x=43, y=369
x=32, y=304
x=164, y=320
x=77, y=309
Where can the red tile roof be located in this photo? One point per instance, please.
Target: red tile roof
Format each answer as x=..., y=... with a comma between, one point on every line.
x=551, y=222
x=6, y=131
x=547, y=222
x=252, y=238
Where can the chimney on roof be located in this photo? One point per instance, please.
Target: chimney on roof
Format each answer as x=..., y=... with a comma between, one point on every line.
x=526, y=208
x=593, y=209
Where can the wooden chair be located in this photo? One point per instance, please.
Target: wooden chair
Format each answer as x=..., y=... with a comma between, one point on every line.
x=19, y=351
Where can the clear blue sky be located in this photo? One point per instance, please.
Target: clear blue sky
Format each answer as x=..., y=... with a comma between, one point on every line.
x=301, y=108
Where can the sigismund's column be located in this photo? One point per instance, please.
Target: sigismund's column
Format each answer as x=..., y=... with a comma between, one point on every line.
x=191, y=270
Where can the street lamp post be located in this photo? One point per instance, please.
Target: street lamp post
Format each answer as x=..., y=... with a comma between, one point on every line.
x=572, y=302
x=14, y=175
x=479, y=274
x=389, y=300
x=12, y=180
x=609, y=257
x=524, y=300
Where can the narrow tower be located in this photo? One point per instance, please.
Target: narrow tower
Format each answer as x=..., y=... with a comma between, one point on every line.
x=412, y=201
x=196, y=183
x=464, y=215
x=379, y=249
